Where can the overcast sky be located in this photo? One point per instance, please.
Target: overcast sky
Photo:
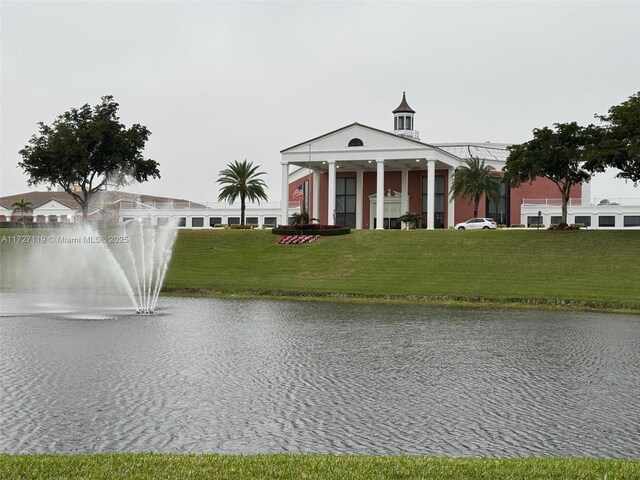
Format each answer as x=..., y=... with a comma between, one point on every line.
x=217, y=82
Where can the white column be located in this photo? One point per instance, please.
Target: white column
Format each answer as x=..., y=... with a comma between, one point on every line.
x=284, y=204
x=359, y=195
x=451, y=217
x=404, y=189
x=316, y=194
x=431, y=194
x=379, y=194
x=331, y=201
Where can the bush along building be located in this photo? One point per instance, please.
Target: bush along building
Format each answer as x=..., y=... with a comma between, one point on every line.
x=366, y=178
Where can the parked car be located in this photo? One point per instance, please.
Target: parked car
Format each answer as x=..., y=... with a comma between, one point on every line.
x=477, y=223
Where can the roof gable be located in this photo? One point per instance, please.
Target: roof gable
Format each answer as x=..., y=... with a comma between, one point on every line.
x=371, y=138
x=53, y=204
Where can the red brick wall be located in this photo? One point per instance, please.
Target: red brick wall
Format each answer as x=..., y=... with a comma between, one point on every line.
x=392, y=180
x=540, y=189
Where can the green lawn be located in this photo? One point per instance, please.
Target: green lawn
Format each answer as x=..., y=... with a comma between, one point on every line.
x=338, y=467
x=589, y=268
x=584, y=269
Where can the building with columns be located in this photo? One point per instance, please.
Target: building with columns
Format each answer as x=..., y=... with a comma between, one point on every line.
x=366, y=178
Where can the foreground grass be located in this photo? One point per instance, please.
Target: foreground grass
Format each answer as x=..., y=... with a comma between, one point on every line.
x=155, y=466
x=587, y=269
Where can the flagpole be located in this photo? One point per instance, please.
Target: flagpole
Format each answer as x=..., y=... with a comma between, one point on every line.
x=309, y=183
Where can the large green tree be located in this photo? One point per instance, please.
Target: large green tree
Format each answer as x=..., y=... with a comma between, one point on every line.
x=558, y=154
x=474, y=180
x=84, y=149
x=23, y=207
x=241, y=179
x=619, y=142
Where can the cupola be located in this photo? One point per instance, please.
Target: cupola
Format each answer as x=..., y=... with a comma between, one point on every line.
x=403, y=120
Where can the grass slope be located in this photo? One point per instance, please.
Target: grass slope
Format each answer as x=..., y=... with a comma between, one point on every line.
x=338, y=467
x=590, y=268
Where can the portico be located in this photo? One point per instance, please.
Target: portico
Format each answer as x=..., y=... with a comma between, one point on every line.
x=358, y=168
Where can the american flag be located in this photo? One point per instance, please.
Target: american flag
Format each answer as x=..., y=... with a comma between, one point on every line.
x=297, y=192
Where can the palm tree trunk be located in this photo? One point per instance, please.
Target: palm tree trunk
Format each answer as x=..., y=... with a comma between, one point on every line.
x=242, y=208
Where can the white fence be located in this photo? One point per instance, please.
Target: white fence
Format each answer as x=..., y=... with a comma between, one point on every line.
x=620, y=213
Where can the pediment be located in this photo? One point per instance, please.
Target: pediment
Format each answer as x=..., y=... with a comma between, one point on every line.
x=53, y=205
x=339, y=139
x=390, y=195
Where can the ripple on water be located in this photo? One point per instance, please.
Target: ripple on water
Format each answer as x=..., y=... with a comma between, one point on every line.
x=245, y=377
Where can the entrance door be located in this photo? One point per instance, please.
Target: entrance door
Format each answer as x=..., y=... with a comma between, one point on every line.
x=392, y=210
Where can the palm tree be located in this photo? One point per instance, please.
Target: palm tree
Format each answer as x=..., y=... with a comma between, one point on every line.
x=241, y=180
x=23, y=207
x=474, y=180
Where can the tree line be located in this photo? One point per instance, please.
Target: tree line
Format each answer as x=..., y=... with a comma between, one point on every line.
x=87, y=148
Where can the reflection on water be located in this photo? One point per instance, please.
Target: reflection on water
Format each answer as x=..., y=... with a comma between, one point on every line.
x=259, y=376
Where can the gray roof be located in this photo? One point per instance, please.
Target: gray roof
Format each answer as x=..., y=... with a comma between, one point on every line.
x=495, y=152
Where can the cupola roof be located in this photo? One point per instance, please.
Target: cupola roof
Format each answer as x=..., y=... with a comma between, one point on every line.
x=404, y=106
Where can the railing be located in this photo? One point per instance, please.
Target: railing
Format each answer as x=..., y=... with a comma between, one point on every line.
x=186, y=205
x=578, y=202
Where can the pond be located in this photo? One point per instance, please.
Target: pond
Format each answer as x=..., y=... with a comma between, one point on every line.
x=227, y=376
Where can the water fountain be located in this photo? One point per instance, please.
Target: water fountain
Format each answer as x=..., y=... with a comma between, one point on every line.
x=143, y=253
x=81, y=269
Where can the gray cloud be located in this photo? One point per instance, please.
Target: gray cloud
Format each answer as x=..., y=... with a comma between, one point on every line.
x=219, y=81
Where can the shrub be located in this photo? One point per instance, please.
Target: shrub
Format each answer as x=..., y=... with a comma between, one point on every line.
x=309, y=226
x=239, y=227
x=415, y=220
x=311, y=229
x=564, y=227
x=517, y=225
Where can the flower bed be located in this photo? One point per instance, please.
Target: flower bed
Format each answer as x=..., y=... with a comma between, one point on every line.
x=297, y=239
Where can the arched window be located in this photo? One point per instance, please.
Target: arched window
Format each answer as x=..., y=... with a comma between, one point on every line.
x=356, y=142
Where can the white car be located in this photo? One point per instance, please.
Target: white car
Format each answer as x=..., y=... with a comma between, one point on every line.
x=477, y=223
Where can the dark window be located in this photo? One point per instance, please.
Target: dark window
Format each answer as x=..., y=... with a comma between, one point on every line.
x=233, y=221
x=251, y=220
x=632, y=220
x=400, y=123
x=197, y=222
x=408, y=123
x=215, y=221
x=182, y=221
x=388, y=223
x=270, y=221
x=162, y=221
x=498, y=210
x=438, y=214
x=534, y=221
x=126, y=219
x=355, y=142
x=606, y=221
x=346, y=201
x=555, y=220
x=584, y=220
